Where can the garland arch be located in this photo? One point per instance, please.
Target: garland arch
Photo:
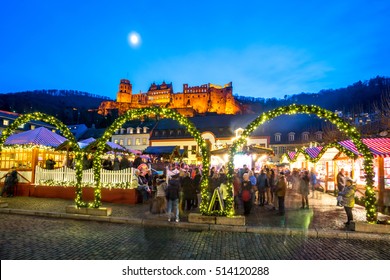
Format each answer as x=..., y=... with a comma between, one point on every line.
x=351, y=132
x=139, y=113
x=65, y=132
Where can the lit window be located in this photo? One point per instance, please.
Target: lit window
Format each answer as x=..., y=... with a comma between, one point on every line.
x=5, y=122
x=144, y=141
x=137, y=141
x=32, y=127
x=129, y=142
x=138, y=130
x=145, y=129
x=121, y=142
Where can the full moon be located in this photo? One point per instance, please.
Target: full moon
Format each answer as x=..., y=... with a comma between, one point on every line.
x=134, y=39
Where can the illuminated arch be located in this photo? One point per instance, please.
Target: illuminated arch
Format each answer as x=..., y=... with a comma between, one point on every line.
x=65, y=132
x=139, y=113
x=351, y=132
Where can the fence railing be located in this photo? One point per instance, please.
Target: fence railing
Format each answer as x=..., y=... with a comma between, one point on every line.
x=66, y=175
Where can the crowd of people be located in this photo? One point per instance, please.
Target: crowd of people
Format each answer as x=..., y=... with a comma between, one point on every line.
x=181, y=191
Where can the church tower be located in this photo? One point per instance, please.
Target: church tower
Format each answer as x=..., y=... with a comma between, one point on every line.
x=125, y=91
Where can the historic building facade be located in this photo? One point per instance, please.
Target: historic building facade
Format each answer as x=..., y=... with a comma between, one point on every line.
x=195, y=100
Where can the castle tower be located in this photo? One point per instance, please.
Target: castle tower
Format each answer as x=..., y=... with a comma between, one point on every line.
x=125, y=91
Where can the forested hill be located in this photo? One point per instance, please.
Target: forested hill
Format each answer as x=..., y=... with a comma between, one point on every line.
x=359, y=97
x=70, y=106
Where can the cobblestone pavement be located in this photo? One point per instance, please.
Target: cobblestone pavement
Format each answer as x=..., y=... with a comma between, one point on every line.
x=323, y=214
x=31, y=237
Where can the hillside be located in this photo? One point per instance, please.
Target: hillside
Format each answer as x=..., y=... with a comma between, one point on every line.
x=67, y=105
x=357, y=98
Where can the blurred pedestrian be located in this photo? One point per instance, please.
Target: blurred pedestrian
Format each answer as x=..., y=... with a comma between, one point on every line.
x=172, y=195
x=281, y=193
x=304, y=189
x=348, y=199
x=340, y=185
x=11, y=179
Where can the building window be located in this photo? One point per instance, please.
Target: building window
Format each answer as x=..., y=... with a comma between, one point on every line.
x=121, y=142
x=156, y=133
x=171, y=132
x=5, y=122
x=282, y=150
x=21, y=126
x=138, y=130
x=319, y=135
x=116, y=141
x=32, y=127
x=144, y=141
x=291, y=136
x=193, y=149
x=305, y=136
x=137, y=141
x=179, y=132
x=129, y=142
x=145, y=129
x=278, y=137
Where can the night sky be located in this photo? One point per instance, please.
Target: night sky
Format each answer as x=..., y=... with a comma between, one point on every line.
x=266, y=48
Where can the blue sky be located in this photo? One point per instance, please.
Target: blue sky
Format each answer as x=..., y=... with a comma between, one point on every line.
x=266, y=48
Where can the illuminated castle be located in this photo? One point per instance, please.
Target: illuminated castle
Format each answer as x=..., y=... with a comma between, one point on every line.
x=192, y=101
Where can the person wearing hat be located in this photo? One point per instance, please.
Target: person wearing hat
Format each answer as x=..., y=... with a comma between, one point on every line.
x=161, y=195
x=348, y=199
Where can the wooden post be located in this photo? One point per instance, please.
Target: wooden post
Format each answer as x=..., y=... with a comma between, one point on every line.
x=34, y=163
x=381, y=183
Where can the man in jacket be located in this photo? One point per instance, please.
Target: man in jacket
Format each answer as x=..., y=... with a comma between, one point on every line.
x=348, y=195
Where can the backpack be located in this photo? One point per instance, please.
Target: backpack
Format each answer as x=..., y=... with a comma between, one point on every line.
x=246, y=195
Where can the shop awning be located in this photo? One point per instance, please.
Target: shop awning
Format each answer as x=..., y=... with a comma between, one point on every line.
x=39, y=136
x=313, y=152
x=379, y=147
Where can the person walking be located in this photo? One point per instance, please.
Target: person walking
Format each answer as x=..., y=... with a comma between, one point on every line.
x=161, y=195
x=262, y=184
x=281, y=193
x=313, y=183
x=196, y=181
x=304, y=189
x=348, y=199
x=188, y=191
x=173, y=195
x=246, y=194
x=11, y=179
x=340, y=185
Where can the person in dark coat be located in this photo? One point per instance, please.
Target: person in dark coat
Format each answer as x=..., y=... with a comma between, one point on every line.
x=11, y=179
x=188, y=191
x=173, y=194
x=137, y=161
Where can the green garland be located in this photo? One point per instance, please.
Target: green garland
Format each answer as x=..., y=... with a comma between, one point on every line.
x=353, y=134
x=65, y=132
x=336, y=145
x=349, y=130
x=162, y=112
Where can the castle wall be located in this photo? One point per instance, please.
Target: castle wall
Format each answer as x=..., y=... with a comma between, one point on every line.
x=193, y=100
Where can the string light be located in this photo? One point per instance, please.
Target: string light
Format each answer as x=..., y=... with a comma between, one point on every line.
x=370, y=201
x=353, y=134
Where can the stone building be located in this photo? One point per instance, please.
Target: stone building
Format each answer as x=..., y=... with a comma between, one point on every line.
x=195, y=100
